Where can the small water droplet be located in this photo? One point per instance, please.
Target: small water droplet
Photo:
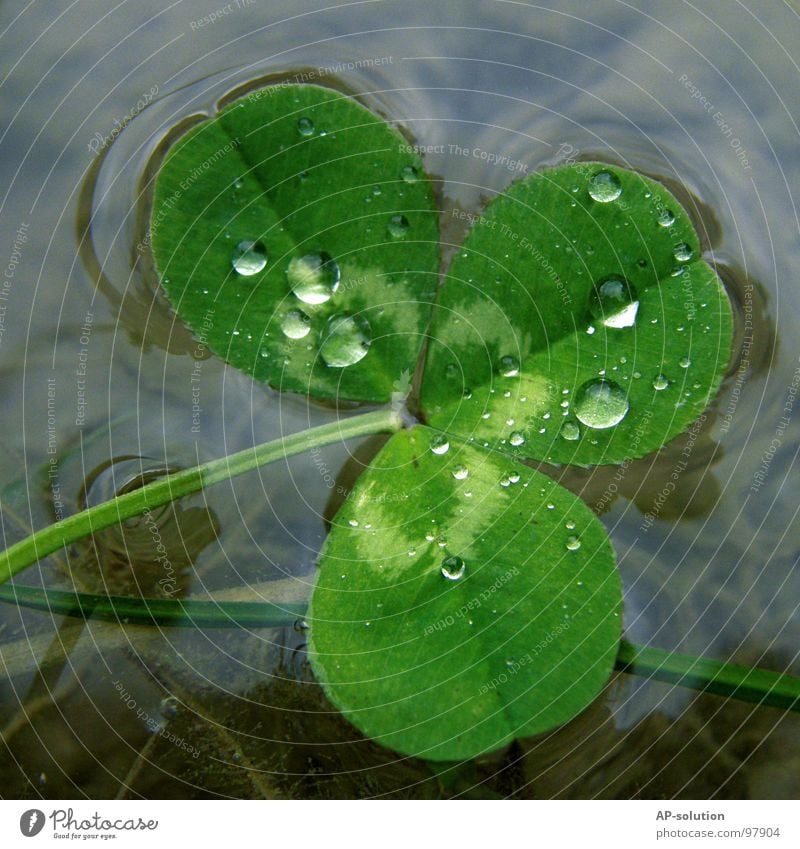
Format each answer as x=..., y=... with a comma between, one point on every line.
x=353, y=523
x=249, y=258
x=300, y=625
x=509, y=366
x=660, y=382
x=398, y=226
x=570, y=525
x=516, y=439
x=570, y=431
x=573, y=543
x=409, y=174
x=604, y=187
x=460, y=473
x=440, y=444
x=614, y=302
x=600, y=404
x=666, y=218
x=305, y=126
x=346, y=341
x=684, y=362
x=513, y=477
x=453, y=568
x=296, y=324
x=683, y=253
x=314, y=277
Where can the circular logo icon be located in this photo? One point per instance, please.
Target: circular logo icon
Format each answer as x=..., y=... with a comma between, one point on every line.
x=31, y=822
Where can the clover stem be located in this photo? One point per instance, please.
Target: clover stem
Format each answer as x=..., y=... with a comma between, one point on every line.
x=173, y=486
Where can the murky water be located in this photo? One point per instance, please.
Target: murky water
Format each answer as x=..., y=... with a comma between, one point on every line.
x=94, y=367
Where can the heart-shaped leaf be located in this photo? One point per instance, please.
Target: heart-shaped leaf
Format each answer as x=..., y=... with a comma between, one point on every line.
x=463, y=600
x=296, y=234
x=578, y=323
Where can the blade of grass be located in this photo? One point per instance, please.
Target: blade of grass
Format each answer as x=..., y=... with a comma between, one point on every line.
x=749, y=684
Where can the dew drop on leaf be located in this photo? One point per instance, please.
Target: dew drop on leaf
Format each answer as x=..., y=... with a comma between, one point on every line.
x=600, y=404
x=666, y=218
x=683, y=252
x=168, y=707
x=614, y=302
x=605, y=187
x=305, y=126
x=314, y=277
x=573, y=543
x=660, y=382
x=296, y=324
x=453, y=568
x=516, y=439
x=685, y=362
x=440, y=444
x=346, y=341
x=249, y=258
x=460, y=473
x=398, y=226
x=570, y=431
x=509, y=366
x=409, y=174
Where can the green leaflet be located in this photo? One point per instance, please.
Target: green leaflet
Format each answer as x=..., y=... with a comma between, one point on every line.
x=577, y=324
x=463, y=600
x=299, y=240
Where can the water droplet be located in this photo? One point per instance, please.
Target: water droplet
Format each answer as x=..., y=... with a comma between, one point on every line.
x=573, y=543
x=590, y=330
x=513, y=477
x=453, y=568
x=439, y=444
x=683, y=252
x=313, y=277
x=509, y=366
x=305, y=126
x=168, y=707
x=346, y=341
x=614, y=302
x=467, y=394
x=398, y=226
x=452, y=370
x=516, y=439
x=600, y=404
x=604, y=187
x=660, y=382
x=684, y=362
x=570, y=525
x=249, y=258
x=570, y=431
x=296, y=324
x=666, y=218
x=409, y=174
x=460, y=473
x=300, y=625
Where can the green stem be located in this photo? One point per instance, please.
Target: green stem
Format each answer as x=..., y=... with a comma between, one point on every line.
x=171, y=487
x=748, y=684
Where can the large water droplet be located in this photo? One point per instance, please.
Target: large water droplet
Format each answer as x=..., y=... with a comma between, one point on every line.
x=305, y=126
x=516, y=439
x=600, y=404
x=509, y=366
x=296, y=324
x=570, y=431
x=460, y=473
x=683, y=252
x=573, y=543
x=168, y=707
x=398, y=226
x=313, y=277
x=440, y=444
x=249, y=258
x=604, y=187
x=660, y=382
x=453, y=568
x=346, y=341
x=614, y=302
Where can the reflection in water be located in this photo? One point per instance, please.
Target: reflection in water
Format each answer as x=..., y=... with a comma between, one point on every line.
x=151, y=554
